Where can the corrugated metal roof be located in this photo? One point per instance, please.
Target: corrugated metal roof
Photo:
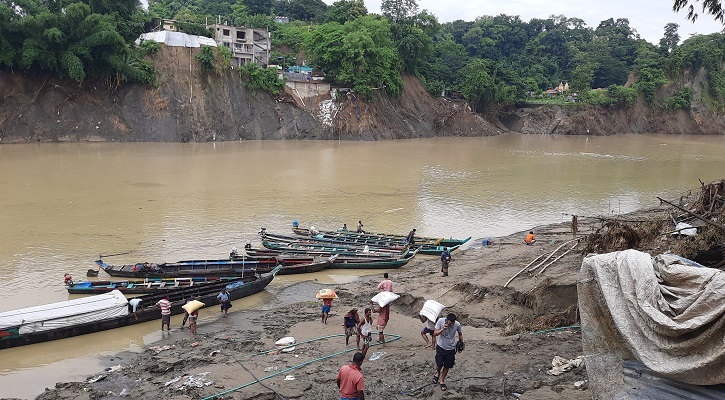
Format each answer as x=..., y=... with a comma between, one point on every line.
x=642, y=383
x=177, y=39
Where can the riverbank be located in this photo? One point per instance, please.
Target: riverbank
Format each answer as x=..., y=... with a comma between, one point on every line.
x=502, y=355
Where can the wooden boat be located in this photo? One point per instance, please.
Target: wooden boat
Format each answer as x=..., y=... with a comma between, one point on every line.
x=352, y=262
x=82, y=316
x=190, y=268
x=275, y=241
x=374, y=237
x=143, y=286
x=265, y=252
x=293, y=263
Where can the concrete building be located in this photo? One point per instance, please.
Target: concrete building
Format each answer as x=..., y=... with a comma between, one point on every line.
x=246, y=44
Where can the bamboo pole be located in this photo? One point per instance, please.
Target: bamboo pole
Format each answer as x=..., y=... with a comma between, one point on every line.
x=557, y=258
x=552, y=253
x=519, y=273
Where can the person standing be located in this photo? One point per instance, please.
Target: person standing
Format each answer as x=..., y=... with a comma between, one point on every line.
x=326, y=307
x=445, y=261
x=445, y=334
x=365, y=330
x=530, y=238
x=411, y=237
x=360, y=227
x=386, y=285
x=351, y=320
x=192, y=321
x=383, y=318
x=350, y=379
x=165, y=306
x=224, y=302
x=428, y=328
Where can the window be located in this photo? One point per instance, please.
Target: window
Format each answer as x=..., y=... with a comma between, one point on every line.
x=225, y=32
x=241, y=35
x=227, y=44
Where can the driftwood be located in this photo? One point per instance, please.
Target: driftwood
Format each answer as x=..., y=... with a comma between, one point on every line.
x=557, y=258
x=701, y=218
x=524, y=269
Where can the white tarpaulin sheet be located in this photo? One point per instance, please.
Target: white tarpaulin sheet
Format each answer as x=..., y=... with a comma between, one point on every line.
x=177, y=39
x=665, y=311
x=66, y=313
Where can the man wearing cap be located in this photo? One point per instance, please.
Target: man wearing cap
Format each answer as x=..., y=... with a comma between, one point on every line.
x=350, y=379
x=445, y=334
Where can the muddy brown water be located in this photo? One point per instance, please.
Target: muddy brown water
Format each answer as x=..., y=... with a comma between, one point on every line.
x=64, y=204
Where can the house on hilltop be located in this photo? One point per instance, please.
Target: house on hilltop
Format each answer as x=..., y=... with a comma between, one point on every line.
x=246, y=44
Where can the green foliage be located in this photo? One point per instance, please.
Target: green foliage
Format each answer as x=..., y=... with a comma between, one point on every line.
x=712, y=7
x=206, y=57
x=302, y=10
x=149, y=47
x=621, y=96
x=488, y=86
x=290, y=34
x=359, y=53
x=649, y=67
x=257, y=78
x=707, y=51
x=681, y=99
x=342, y=11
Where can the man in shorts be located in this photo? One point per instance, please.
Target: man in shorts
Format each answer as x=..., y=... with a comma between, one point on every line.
x=351, y=322
x=445, y=334
x=165, y=306
x=428, y=328
x=326, y=307
x=383, y=318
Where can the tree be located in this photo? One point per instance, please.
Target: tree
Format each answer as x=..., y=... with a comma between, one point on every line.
x=712, y=7
x=671, y=38
x=399, y=10
x=303, y=10
x=258, y=6
x=345, y=10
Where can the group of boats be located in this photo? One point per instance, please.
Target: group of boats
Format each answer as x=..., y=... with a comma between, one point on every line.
x=242, y=274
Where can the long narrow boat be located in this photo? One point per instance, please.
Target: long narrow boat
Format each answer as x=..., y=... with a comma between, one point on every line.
x=189, y=268
x=110, y=310
x=143, y=286
x=298, y=263
x=351, y=262
x=265, y=252
x=377, y=237
x=275, y=241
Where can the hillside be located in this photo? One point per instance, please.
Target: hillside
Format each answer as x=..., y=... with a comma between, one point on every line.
x=192, y=105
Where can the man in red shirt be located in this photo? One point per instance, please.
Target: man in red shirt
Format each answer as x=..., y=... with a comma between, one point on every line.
x=350, y=379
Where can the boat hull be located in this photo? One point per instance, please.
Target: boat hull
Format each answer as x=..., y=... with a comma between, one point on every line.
x=146, y=311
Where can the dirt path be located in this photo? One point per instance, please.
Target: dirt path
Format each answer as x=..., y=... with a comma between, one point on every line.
x=502, y=357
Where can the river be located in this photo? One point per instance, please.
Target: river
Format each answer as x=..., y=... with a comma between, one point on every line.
x=64, y=204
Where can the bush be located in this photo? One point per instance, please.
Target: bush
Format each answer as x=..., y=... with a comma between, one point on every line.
x=149, y=47
x=681, y=99
x=257, y=78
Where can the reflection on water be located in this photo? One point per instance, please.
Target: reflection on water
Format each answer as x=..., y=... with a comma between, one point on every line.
x=64, y=204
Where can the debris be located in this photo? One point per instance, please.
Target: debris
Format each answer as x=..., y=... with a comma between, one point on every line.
x=377, y=355
x=561, y=365
x=96, y=379
x=198, y=381
x=115, y=368
x=159, y=349
x=270, y=369
x=289, y=378
x=214, y=352
x=172, y=381
x=195, y=344
x=581, y=385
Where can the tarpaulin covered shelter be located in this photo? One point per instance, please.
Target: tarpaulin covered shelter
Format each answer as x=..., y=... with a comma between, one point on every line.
x=666, y=312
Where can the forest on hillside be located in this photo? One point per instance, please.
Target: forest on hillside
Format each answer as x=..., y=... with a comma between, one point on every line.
x=493, y=61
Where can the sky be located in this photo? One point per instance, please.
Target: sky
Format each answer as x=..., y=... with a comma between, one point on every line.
x=647, y=17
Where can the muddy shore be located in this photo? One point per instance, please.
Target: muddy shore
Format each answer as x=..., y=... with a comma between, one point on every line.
x=509, y=341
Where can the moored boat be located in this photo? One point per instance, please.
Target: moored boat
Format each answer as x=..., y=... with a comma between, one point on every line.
x=111, y=310
x=376, y=237
x=189, y=268
x=143, y=286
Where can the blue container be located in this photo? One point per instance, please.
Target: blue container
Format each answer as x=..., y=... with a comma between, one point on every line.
x=295, y=224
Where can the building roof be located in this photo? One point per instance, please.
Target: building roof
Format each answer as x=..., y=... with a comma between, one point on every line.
x=176, y=39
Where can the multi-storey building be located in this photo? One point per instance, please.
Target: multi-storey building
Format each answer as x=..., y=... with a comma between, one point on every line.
x=246, y=44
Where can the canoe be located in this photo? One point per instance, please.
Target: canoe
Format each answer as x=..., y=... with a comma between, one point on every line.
x=190, y=268
x=373, y=237
x=142, y=286
x=351, y=262
x=300, y=264
x=265, y=252
x=111, y=310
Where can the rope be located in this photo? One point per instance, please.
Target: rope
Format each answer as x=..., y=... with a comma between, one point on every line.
x=556, y=329
x=258, y=380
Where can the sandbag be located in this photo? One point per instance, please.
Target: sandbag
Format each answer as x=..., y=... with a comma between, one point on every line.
x=285, y=341
x=326, y=294
x=431, y=310
x=384, y=298
x=192, y=306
